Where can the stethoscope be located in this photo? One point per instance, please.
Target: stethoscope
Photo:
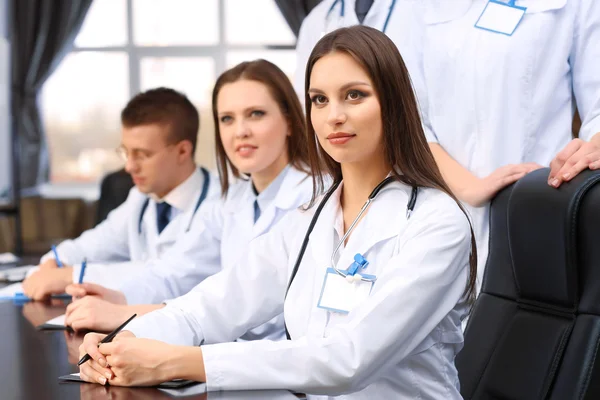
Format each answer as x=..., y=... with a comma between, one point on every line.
x=343, y=12
x=409, y=208
x=203, y=194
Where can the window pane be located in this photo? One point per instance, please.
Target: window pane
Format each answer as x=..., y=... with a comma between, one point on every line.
x=103, y=13
x=256, y=22
x=175, y=22
x=81, y=104
x=284, y=59
x=194, y=76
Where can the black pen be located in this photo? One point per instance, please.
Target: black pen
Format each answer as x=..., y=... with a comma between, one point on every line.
x=107, y=339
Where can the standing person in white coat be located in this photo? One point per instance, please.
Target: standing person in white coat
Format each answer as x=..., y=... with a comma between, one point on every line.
x=158, y=142
x=373, y=297
x=392, y=17
x=259, y=135
x=502, y=82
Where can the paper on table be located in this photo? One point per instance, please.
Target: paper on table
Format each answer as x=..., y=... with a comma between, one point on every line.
x=58, y=321
x=16, y=274
x=198, y=388
x=11, y=290
x=7, y=258
x=247, y=395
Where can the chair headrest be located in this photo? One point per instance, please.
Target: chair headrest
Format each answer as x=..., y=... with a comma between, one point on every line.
x=545, y=240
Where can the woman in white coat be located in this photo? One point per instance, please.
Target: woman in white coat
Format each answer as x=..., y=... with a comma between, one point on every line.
x=373, y=297
x=392, y=17
x=259, y=138
x=502, y=82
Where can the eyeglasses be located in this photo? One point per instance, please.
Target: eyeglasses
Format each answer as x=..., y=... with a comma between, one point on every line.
x=138, y=155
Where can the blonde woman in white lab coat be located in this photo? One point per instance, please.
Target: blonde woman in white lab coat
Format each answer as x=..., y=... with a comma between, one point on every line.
x=502, y=82
x=377, y=297
x=260, y=138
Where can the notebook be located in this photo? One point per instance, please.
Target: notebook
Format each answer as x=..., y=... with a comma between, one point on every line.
x=55, y=324
x=174, y=384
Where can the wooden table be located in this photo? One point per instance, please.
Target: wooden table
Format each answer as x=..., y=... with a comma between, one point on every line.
x=32, y=360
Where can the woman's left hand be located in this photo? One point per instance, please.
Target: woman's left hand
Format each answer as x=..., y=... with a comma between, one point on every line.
x=139, y=362
x=577, y=156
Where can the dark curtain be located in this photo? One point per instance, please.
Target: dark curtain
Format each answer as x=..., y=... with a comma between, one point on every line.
x=41, y=33
x=294, y=11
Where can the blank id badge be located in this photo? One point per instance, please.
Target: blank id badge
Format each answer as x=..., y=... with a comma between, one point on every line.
x=501, y=17
x=339, y=295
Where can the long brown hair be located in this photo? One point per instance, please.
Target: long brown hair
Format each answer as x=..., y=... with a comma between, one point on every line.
x=405, y=146
x=283, y=93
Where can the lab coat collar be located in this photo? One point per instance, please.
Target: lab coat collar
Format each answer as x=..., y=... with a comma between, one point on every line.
x=378, y=8
x=186, y=194
x=295, y=189
x=383, y=221
x=286, y=198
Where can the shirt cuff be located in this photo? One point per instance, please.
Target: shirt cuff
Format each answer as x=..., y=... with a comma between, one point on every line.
x=590, y=129
x=429, y=135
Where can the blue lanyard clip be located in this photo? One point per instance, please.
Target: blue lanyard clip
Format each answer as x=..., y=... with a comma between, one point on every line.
x=359, y=263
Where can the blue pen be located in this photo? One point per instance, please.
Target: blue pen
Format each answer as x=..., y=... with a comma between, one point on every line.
x=82, y=272
x=58, y=262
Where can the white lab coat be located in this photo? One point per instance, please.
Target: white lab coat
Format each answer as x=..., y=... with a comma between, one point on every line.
x=399, y=344
x=218, y=242
x=116, y=247
x=494, y=100
x=319, y=22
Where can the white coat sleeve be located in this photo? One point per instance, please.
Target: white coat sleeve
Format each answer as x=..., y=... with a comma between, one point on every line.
x=228, y=304
x=585, y=64
x=421, y=284
x=193, y=258
x=307, y=38
x=107, y=242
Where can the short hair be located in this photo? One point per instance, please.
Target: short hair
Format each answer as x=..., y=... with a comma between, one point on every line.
x=166, y=107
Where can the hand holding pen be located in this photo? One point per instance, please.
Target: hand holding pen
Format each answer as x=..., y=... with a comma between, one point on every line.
x=107, y=339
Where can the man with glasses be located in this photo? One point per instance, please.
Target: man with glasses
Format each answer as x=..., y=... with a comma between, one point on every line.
x=158, y=142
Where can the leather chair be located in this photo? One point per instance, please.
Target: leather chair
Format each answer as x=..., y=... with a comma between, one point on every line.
x=534, y=332
x=113, y=192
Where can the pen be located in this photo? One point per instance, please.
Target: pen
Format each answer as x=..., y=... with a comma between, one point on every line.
x=58, y=262
x=107, y=339
x=82, y=272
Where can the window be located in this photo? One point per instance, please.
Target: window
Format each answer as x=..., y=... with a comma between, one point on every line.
x=127, y=46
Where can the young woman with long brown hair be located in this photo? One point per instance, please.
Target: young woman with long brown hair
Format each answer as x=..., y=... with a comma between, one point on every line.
x=374, y=277
x=259, y=139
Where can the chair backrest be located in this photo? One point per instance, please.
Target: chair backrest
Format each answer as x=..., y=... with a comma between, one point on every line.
x=113, y=192
x=534, y=332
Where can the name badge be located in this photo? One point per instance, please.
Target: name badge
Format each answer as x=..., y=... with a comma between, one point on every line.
x=498, y=17
x=341, y=295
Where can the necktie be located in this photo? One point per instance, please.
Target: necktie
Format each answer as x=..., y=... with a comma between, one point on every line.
x=256, y=211
x=362, y=8
x=162, y=215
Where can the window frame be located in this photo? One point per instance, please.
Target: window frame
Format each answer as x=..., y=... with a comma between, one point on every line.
x=135, y=53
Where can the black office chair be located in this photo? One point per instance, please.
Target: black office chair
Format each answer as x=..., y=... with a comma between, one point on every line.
x=113, y=192
x=535, y=329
